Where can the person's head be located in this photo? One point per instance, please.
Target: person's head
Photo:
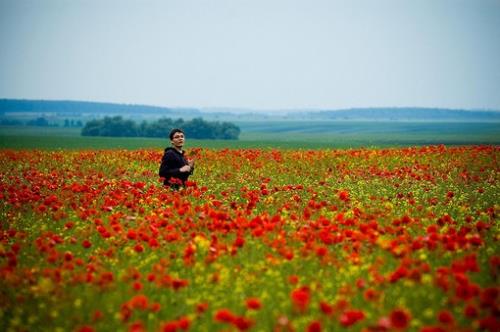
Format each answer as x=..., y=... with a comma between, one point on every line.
x=177, y=138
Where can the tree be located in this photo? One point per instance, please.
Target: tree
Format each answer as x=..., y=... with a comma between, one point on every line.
x=92, y=128
x=196, y=128
x=39, y=122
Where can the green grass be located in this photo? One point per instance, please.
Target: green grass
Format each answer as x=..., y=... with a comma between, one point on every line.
x=275, y=134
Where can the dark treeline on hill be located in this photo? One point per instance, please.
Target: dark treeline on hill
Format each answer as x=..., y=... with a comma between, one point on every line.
x=196, y=128
x=15, y=111
x=408, y=114
x=67, y=106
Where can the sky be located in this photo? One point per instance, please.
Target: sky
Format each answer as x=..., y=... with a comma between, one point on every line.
x=254, y=54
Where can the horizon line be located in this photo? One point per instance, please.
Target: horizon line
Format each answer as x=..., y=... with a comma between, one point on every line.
x=243, y=108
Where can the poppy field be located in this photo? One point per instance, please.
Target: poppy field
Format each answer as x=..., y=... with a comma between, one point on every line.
x=394, y=239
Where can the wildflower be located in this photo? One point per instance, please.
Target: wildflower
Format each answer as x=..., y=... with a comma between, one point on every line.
x=184, y=323
x=139, y=301
x=400, y=318
x=137, y=286
x=301, y=298
x=137, y=327
x=314, y=326
x=224, y=316
x=242, y=323
x=138, y=248
x=326, y=308
x=170, y=326
x=344, y=195
x=445, y=317
x=253, y=303
x=293, y=279
x=201, y=307
x=351, y=317
x=470, y=311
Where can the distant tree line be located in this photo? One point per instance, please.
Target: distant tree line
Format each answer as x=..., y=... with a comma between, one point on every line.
x=71, y=107
x=196, y=128
x=40, y=122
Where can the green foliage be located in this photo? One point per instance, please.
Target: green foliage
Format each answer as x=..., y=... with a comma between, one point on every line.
x=72, y=123
x=313, y=135
x=39, y=122
x=196, y=128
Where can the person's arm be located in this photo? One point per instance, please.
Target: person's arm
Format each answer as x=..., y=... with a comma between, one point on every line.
x=166, y=169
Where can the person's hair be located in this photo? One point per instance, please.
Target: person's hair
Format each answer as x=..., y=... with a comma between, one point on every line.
x=174, y=131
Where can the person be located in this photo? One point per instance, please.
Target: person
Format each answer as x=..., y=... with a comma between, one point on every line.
x=175, y=168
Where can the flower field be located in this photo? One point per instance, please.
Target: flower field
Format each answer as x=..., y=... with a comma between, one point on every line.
x=400, y=239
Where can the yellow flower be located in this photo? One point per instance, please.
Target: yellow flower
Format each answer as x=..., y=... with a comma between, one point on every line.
x=77, y=303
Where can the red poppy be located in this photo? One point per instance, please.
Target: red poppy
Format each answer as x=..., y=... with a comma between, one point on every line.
x=470, y=311
x=243, y=323
x=326, y=308
x=351, y=317
x=400, y=318
x=301, y=298
x=344, y=195
x=445, y=317
x=224, y=316
x=253, y=303
x=314, y=326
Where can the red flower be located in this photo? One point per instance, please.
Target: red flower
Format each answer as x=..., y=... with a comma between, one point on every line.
x=400, y=319
x=224, y=316
x=344, y=195
x=490, y=323
x=293, y=279
x=370, y=294
x=137, y=286
x=139, y=302
x=301, y=298
x=239, y=242
x=326, y=308
x=184, y=323
x=86, y=244
x=170, y=326
x=470, y=311
x=253, y=303
x=321, y=251
x=201, y=307
x=68, y=256
x=137, y=327
x=243, y=323
x=400, y=272
x=155, y=307
x=351, y=317
x=315, y=326
x=86, y=329
x=445, y=317
x=432, y=329
x=138, y=247
x=97, y=315
x=489, y=296
x=179, y=283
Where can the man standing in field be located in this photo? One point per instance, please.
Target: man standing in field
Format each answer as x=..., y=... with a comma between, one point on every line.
x=175, y=168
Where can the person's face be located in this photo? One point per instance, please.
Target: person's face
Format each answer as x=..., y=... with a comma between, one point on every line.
x=178, y=140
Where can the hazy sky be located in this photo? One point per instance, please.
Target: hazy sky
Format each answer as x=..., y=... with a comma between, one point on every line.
x=264, y=54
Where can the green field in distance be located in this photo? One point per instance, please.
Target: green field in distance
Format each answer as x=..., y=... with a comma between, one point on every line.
x=273, y=134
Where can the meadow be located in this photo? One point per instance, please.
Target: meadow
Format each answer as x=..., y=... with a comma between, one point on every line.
x=361, y=239
x=275, y=134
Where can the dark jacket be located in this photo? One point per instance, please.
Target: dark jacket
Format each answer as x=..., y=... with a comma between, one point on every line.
x=171, y=162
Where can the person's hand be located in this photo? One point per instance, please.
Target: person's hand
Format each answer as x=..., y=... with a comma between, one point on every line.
x=191, y=163
x=185, y=168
